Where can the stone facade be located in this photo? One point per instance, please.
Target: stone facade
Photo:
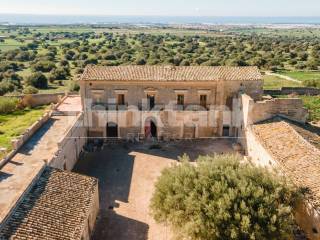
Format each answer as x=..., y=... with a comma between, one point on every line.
x=205, y=107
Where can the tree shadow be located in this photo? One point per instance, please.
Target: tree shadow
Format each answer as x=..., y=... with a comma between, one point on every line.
x=113, y=166
x=4, y=176
x=111, y=225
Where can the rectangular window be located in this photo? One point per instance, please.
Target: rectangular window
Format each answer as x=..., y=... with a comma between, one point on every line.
x=226, y=131
x=180, y=99
x=151, y=101
x=203, y=101
x=121, y=99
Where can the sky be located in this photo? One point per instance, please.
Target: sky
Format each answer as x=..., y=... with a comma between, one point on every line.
x=165, y=7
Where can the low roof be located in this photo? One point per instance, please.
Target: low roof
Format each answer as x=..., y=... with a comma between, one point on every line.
x=294, y=148
x=56, y=207
x=169, y=73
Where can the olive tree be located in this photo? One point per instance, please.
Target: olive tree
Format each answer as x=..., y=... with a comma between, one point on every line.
x=223, y=198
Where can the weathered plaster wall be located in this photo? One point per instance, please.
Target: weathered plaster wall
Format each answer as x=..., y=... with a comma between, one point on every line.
x=257, y=152
x=34, y=100
x=93, y=213
x=168, y=122
x=306, y=215
x=70, y=145
x=254, y=112
x=308, y=219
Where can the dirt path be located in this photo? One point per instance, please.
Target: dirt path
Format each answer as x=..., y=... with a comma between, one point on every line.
x=283, y=77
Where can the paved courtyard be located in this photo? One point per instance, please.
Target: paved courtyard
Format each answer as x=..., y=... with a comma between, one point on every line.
x=126, y=174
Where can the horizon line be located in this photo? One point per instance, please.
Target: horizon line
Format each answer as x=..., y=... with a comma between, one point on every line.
x=157, y=15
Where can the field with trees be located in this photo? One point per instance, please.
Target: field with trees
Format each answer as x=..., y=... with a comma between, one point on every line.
x=49, y=58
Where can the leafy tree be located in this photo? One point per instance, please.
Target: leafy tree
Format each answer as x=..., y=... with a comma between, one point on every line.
x=222, y=198
x=6, y=86
x=43, y=66
x=59, y=74
x=37, y=80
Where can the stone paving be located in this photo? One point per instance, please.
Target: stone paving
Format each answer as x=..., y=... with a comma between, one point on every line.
x=126, y=174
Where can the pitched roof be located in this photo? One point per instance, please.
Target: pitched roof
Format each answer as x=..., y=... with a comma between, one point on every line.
x=298, y=158
x=56, y=207
x=169, y=73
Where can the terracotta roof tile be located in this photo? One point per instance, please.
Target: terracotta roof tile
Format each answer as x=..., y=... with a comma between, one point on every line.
x=298, y=158
x=169, y=73
x=56, y=207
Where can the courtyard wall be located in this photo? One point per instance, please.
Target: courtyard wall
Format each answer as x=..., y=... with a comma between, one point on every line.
x=307, y=217
x=70, y=145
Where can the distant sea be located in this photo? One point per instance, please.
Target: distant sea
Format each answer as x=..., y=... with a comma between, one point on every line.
x=70, y=19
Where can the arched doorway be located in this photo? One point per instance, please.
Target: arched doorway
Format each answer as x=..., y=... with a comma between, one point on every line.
x=112, y=130
x=150, y=128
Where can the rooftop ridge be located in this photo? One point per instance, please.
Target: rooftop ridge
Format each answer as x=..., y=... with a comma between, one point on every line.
x=170, y=73
x=296, y=161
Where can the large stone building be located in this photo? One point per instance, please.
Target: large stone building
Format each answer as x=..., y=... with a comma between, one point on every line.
x=39, y=200
x=165, y=101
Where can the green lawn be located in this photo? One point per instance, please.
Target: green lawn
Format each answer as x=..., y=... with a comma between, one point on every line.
x=14, y=124
x=303, y=75
x=274, y=82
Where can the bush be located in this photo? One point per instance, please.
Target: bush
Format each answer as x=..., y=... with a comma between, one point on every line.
x=30, y=90
x=8, y=105
x=59, y=74
x=312, y=83
x=74, y=87
x=6, y=86
x=37, y=80
x=43, y=66
x=222, y=198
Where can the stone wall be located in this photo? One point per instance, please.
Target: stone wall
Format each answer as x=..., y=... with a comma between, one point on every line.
x=170, y=124
x=166, y=92
x=294, y=90
x=254, y=112
x=305, y=214
x=93, y=213
x=33, y=100
x=70, y=145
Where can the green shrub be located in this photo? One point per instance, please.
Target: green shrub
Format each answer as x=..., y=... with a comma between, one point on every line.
x=73, y=86
x=6, y=86
x=37, y=80
x=43, y=66
x=8, y=104
x=221, y=198
x=30, y=90
x=59, y=74
x=312, y=83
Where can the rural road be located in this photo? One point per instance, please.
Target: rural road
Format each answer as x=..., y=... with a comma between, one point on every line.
x=283, y=77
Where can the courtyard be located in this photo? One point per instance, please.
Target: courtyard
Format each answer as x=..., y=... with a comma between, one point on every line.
x=127, y=173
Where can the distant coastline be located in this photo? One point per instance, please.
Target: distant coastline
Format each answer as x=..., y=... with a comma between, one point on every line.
x=29, y=19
